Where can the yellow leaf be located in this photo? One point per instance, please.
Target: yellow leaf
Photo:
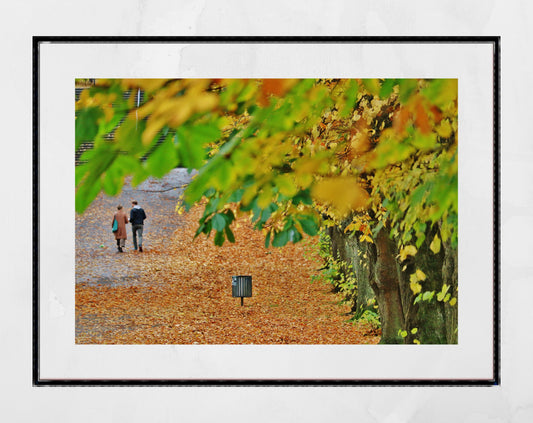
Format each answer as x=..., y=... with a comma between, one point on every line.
x=153, y=126
x=286, y=185
x=344, y=194
x=307, y=165
x=420, y=275
x=441, y=295
x=416, y=341
x=350, y=227
x=249, y=194
x=265, y=198
x=108, y=113
x=149, y=85
x=435, y=244
x=205, y=102
x=372, y=86
x=444, y=129
x=178, y=114
x=415, y=287
x=453, y=301
x=408, y=250
x=304, y=179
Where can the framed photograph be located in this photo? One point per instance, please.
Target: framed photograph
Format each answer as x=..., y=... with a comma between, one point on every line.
x=266, y=211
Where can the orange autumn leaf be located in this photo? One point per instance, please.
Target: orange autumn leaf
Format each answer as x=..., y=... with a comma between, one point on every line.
x=274, y=87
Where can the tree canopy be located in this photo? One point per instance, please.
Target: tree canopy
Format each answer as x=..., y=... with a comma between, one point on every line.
x=295, y=154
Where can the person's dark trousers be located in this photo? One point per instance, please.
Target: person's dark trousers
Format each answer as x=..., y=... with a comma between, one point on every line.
x=137, y=236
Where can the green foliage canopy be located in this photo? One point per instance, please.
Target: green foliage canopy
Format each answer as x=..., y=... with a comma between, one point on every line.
x=294, y=154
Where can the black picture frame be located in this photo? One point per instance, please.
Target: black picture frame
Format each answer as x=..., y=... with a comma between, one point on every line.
x=38, y=381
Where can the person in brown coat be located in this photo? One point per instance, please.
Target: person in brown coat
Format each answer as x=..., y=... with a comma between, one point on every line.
x=120, y=234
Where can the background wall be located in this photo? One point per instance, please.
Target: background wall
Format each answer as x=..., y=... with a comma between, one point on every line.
x=510, y=402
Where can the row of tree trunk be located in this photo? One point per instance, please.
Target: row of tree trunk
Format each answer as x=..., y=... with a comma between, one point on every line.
x=381, y=276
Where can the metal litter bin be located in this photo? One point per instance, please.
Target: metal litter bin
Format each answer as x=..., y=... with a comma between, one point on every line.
x=241, y=286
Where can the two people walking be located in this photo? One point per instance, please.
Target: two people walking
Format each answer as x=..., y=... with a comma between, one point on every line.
x=120, y=219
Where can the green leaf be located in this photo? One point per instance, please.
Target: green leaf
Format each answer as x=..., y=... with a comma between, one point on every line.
x=309, y=225
x=350, y=96
x=418, y=195
x=280, y=239
x=424, y=142
x=212, y=205
x=407, y=89
x=86, y=126
x=420, y=240
x=128, y=164
x=229, y=234
x=163, y=159
x=428, y=295
x=251, y=205
x=106, y=127
x=219, y=239
x=86, y=194
x=441, y=92
x=236, y=195
x=229, y=216
x=200, y=229
x=304, y=197
x=90, y=184
x=223, y=175
x=128, y=136
x=208, y=227
x=190, y=150
x=204, y=133
x=372, y=86
x=113, y=180
x=294, y=235
x=386, y=88
x=267, y=239
x=219, y=223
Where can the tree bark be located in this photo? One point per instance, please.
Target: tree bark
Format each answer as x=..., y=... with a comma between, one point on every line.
x=379, y=274
x=387, y=288
x=450, y=277
x=357, y=255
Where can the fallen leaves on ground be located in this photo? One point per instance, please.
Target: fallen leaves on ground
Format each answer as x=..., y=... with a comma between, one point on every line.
x=179, y=292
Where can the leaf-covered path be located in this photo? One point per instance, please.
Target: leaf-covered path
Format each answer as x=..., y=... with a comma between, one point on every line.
x=179, y=291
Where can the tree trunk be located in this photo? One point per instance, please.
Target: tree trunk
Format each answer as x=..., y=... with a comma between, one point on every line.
x=387, y=288
x=357, y=255
x=378, y=273
x=449, y=276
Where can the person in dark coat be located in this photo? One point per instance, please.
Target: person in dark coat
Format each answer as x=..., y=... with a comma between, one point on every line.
x=120, y=234
x=137, y=216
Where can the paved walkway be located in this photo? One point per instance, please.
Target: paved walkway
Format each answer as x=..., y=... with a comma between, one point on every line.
x=97, y=260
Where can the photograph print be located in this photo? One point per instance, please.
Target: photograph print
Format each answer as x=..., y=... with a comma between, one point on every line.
x=266, y=211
